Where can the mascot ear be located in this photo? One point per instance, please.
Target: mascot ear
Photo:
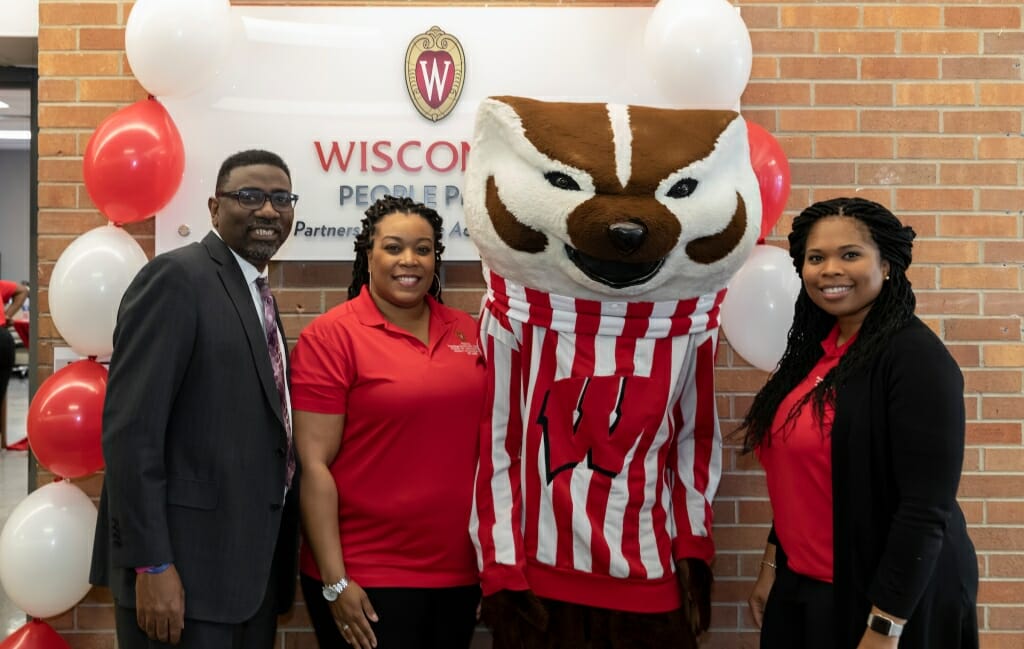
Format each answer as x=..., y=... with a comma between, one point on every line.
x=497, y=120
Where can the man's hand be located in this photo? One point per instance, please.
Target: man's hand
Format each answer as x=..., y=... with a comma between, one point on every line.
x=695, y=580
x=160, y=605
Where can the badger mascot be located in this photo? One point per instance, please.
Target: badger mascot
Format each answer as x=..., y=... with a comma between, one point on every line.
x=608, y=234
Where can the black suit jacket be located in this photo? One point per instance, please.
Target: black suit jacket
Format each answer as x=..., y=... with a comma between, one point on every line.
x=900, y=537
x=194, y=442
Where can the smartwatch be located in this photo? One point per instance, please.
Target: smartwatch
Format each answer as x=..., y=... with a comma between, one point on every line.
x=885, y=626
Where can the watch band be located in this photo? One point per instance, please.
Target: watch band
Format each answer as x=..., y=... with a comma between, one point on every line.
x=885, y=626
x=337, y=589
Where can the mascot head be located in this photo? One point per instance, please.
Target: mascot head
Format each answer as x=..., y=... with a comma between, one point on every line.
x=611, y=202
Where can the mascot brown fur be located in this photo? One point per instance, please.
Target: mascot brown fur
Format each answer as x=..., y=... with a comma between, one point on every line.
x=607, y=235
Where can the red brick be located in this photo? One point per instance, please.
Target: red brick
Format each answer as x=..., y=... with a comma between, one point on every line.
x=76, y=64
x=60, y=170
x=856, y=42
x=981, y=121
x=976, y=225
x=760, y=17
x=1008, y=355
x=1006, y=459
x=899, y=121
x=978, y=174
x=1008, y=147
x=77, y=13
x=994, y=381
x=119, y=90
x=899, y=67
x=791, y=42
x=981, y=68
x=996, y=303
x=81, y=115
x=820, y=173
x=935, y=94
x=57, y=38
x=764, y=67
x=902, y=16
x=942, y=302
x=828, y=16
x=1002, y=94
x=954, y=148
x=1007, y=201
x=853, y=146
x=102, y=38
x=895, y=173
x=993, y=433
x=854, y=93
x=775, y=94
x=1004, y=42
x=57, y=144
x=933, y=199
x=979, y=277
x=57, y=90
x=817, y=67
x=983, y=329
x=817, y=120
x=941, y=42
x=982, y=17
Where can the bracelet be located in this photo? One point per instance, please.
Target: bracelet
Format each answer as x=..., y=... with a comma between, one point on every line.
x=766, y=562
x=152, y=570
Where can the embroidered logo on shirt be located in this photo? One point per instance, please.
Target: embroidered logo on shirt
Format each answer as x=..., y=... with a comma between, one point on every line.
x=464, y=347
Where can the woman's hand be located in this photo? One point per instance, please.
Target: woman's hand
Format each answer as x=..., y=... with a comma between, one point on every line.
x=759, y=595
x=353, y=613
x=872, y=640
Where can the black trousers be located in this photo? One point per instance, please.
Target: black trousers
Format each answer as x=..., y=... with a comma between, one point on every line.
x=800, y=612
x=410, y=618
x=6, y=358
x=255, y=633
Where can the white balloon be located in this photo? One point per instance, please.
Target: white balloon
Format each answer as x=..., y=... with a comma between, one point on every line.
x=758, y=309
x=45, y=549
x=176, y=46
x=86, y=287
x=698, y=52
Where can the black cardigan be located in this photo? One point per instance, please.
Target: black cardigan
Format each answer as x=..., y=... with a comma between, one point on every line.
x=900, y=537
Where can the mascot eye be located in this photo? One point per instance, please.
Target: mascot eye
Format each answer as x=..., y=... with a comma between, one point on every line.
x=683, y=188
x=561, y=181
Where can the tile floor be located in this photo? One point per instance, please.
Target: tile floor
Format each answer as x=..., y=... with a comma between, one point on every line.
x=13, y=485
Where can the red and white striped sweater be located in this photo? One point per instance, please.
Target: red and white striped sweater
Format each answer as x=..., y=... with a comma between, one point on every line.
x=600, y=450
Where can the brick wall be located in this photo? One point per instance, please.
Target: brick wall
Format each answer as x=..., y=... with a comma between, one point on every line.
x=914, y=104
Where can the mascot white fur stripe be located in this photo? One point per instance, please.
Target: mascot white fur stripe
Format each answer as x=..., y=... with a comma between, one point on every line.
x=608, y=234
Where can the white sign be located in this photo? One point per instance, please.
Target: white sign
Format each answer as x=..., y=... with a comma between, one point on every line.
x=325, y=87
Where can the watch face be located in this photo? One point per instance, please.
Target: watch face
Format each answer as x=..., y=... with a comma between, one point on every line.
x=330, y=594
x=881, y=625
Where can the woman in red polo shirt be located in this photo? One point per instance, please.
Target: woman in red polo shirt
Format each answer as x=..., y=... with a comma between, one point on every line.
x=861, y=435
x=386, y=391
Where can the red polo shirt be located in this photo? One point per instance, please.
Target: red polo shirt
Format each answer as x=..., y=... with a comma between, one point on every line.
x=406, y=465
x=798, y=467
x=7, y=290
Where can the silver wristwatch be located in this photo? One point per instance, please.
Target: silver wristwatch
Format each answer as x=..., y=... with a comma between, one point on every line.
x=333, y=591
x=885, y=626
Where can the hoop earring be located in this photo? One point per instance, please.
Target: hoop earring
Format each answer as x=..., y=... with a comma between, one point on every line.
x=436, y=292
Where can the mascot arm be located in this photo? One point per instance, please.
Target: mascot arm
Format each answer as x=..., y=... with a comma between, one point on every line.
x=697, y=456
x=497, y=505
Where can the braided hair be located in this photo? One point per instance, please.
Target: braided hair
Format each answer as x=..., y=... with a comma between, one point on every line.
x=364, y=240
x=891, y=310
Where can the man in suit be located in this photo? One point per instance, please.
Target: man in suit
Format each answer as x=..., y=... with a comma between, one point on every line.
x=198, y=523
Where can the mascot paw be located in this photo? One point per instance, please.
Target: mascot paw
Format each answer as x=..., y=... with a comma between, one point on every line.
x=515, y=618
x=695, y=581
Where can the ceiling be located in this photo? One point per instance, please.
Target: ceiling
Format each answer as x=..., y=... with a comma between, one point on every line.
x=15, y=118
x=19, y=52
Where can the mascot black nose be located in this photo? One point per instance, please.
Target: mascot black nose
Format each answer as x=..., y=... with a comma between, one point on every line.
x=627, y=236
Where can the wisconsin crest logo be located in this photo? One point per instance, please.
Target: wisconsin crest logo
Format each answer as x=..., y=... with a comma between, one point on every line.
x=435, y=70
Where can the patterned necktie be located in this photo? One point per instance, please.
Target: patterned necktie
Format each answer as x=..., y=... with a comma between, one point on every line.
x=277, y=361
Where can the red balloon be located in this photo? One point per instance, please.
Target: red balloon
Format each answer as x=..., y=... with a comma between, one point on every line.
x=34, y=635
x=134, y=162
x=772, y=170
x=65, y=420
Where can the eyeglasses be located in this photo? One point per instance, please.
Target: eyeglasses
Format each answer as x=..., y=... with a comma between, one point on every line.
x=254, y=199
